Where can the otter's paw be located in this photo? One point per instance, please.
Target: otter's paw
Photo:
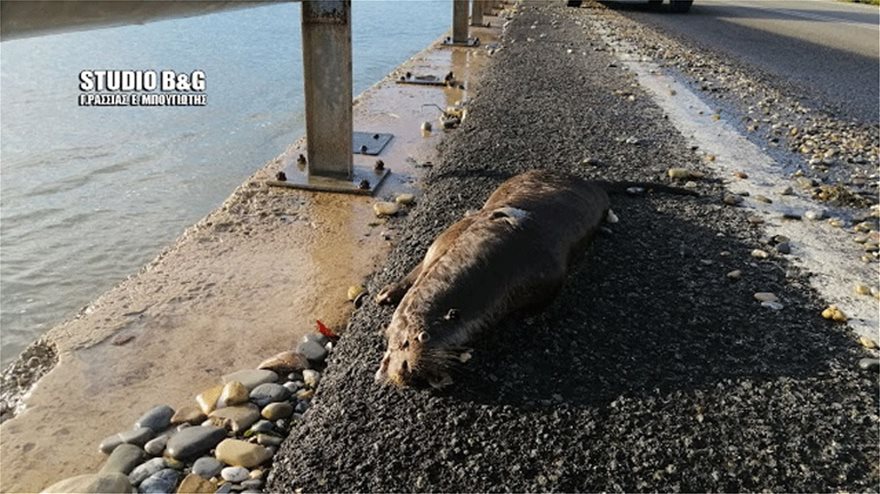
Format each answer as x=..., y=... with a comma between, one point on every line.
x=391, y=294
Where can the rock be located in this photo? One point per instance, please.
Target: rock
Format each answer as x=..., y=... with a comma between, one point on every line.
x=735, y=274
x=256, y=474
x=285, y=363
x=92, y=483
x=138, y=437
x=145, y=470
x=760, y=254
x=234, y=393
x=157, y=418
x=252, y=484
x=386, y=208
x=764, y=199
x=207, y=467
x=207, y=399
x=732, y=199
x=236, y=419
x=196, y=484
x=867, y=342
x=766, y=297
x=267, y=440
x=405, y=199
x=291, y=386
x=123, y=459
x=224, y=489
x=783, y=248
x=311, y=378
x=591, y=161
x=263, y=426
x=755, y=219
x=194, y=441
x=251, y=378
x=814, y=215
x=741, y=175
x=683, y=173
x=869, y=364
x=301, y=407
x=267, y=393
x=317, y=338
x=834, y=314
x=275, y=411
x=160, y=482
x=772, y=304
x=355, y=291
x=241, y=453
x=862, y=289
x=156, y=447
x=305, y=394
x=312, y=350
x=235, y=474
x=188, y=415
x=786, y=191
x=174, y=463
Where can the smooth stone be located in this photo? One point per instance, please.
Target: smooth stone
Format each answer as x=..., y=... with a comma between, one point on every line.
x=267, y=440
x=207, y=399
x=156, y=446
x=207, y=467
x=317, y=338
x=123, y=459
x=194, y=441
x=92, y=483
x=386, y=208
x=188, y=415
x=224, y=489
x=267, y=393
x=174, y=463
x=772, y=305
x=145, y=470
x=783, y=248
x=234, y=393
x=252, y=484
x=814, y=215
x=760, y=254
x=235, y=474
x=305, y=394
x=869, y=364
x=241, y=453
x=766, y=297
x=251, y=378
x=137, y=437
x=735, y=274
x=184, y=425
x=256, y=474
x=311, y=378
x=301, y=407
x=283, y=424
x=275, y=411
x=160, y=482
x=236, y=419
x=157, y=418
x=285, y=363
x=404, y=199
x=312, y=350
x=262, y=426
x=196, y=484
x=291, y=386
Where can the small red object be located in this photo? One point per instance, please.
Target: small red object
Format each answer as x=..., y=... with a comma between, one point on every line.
x=324, y=330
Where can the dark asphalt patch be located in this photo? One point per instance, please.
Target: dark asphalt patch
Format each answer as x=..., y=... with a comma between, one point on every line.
x=650, y=371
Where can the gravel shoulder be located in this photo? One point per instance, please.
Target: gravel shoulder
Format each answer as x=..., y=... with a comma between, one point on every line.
x=651, y=370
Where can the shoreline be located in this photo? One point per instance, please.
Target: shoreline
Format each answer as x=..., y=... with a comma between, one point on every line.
x=160, y=335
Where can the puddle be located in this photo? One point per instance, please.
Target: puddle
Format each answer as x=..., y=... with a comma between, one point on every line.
x=246, y=282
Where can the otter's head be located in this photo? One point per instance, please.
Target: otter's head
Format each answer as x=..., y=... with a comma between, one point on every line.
x=403, y=362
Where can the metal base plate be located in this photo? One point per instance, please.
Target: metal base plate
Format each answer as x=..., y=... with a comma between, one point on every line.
x=369, y=143
x=471, y=42
x=300, y=179
x=424, y=80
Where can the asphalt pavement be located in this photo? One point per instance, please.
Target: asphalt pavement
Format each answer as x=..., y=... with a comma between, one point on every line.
x=651, y=371
x=827, y=51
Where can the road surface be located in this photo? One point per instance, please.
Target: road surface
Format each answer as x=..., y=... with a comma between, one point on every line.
x=828, y=51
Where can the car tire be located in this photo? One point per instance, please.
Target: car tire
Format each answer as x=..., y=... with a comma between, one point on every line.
x=680, y=6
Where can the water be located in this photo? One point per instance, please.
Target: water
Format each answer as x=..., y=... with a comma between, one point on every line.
x=88, y=195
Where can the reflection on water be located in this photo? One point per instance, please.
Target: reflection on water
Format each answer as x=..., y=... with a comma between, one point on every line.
x=88, y=195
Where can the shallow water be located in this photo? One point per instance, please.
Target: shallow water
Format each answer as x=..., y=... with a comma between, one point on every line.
x=88, y=195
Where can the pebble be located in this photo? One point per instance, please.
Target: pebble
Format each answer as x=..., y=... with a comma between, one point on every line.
x=591, y=161
x=755, y=219
x=136, y=436
x=275, y=411
x=263, y=425
x=783, y=248
x=735, y=274
x=160, y=482
x=236, y=419
x=291, y=386
x=426, y=126
x=405, y=199
x=145, y=470
x=867, y=342
x=683, y=173
x=766, y=297
x=123, y=459
x=207, y=467
x=301, y=407
x=740, y=175
x=235, y=474
x=224, y=489
x=173, y=463
x=311, y=378
x=285, y=363
x=862, y=289
x=869, y=364
x=256, y=474
x=772, y=305
x=732, y=199
x=305, y=394
x=157, y=418
x=194, y=441
x=764, y=199
x=267, y=393
x=317, y=338
x=814, y=215
x=188, y=415
x=786, y=191
x=760, y=254
x=241, y=453
x=834, y=314
x=207, y=399
x=156, y=447
x=385, y=208
x=196, y=484
x=234, y=393
x=251, y=378
x=267, y=440
x=92, y=483
x=312, y=350
x=252, y=484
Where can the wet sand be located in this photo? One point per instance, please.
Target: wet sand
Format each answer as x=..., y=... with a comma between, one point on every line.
x=246, y=282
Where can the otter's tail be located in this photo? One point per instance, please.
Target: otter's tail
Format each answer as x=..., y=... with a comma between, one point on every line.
x=636, y=188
